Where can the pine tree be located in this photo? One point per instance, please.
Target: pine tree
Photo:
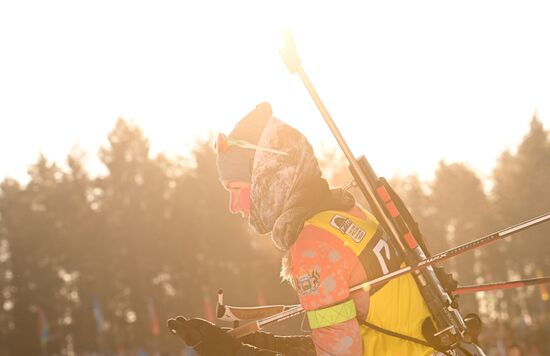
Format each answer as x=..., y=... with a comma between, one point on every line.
x=522, y=191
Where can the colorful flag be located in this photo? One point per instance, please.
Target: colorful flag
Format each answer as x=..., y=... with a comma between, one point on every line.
x=43, y=327
x=544, y=296
x=208, y=310
x=155, y=328
x=189, y=351
x=98, y=315
x=261, y=297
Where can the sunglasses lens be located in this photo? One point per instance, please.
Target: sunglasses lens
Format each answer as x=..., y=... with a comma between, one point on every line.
x=223, y=143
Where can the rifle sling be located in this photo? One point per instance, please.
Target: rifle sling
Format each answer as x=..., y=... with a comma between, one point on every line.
x=395, y=334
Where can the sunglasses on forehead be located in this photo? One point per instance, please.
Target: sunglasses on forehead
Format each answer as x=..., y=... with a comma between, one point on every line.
x=223, y=143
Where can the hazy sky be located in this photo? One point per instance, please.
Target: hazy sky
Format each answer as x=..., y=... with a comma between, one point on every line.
x=408, y=82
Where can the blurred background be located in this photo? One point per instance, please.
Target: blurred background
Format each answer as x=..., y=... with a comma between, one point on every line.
x=112, y=218
x=97, y=265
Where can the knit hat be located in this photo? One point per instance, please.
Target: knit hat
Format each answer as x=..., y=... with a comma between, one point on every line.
x=235, y=164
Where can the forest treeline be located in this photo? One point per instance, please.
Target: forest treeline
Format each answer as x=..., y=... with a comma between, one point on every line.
x=98, y=263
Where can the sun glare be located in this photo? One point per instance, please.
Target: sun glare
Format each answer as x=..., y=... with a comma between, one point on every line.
x=405, y=87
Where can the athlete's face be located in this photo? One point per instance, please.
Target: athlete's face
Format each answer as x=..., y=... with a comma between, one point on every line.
x=239, y=197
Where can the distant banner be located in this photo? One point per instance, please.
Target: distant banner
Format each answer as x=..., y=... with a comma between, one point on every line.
x=188, y=351
x=43, y=327
x=544, y=296
x=155, y=327
x=208, y=309
x=98, y=315
x=261, y=297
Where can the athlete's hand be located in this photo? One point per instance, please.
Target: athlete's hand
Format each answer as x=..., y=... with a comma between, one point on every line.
x=203, y=336
x=295, y=345
x=208, y=339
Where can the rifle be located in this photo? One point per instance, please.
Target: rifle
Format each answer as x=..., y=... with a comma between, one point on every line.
x=450, y=331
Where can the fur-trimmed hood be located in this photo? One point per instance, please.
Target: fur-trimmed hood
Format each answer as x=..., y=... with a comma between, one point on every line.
x=288, y=189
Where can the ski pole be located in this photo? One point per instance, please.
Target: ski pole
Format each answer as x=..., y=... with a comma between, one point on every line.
x=235, y=313
x=500, y=285
x=298, y=309
x=457, y=250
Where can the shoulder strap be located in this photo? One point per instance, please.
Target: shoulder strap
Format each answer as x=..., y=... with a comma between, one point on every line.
x=397, y=335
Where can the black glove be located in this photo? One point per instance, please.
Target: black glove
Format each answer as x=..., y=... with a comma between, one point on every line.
x=208, y=339
x=298, y=345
